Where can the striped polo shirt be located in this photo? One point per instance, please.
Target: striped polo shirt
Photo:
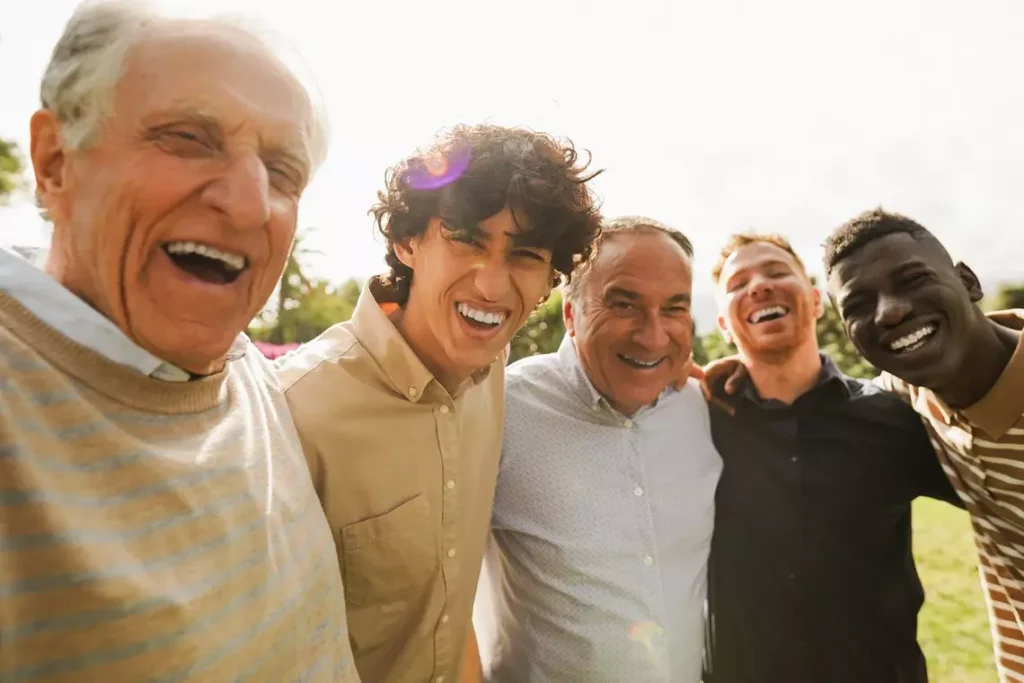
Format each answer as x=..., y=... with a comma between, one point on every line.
x=982, y=452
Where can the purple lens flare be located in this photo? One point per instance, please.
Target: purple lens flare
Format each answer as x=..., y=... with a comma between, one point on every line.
x=431, y=173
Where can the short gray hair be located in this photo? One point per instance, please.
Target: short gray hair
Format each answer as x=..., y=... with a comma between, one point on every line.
x=623, y=225
x=88, y=60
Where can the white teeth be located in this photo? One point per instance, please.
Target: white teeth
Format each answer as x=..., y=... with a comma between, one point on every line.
x=233, y=261
x=759, y=315
x=646, y=364
x=480, y=316
x=912, y=339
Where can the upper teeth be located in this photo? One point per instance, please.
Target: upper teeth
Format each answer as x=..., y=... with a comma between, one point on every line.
x=480, y=316
x=912, y=338
x=757, y=316
x=645, y=363
x=233, y=261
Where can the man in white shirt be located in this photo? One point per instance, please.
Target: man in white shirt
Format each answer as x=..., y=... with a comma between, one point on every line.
x=603, y=514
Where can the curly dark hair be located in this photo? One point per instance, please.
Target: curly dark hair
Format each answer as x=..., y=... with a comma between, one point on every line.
x=472, y=172
x=867, y=227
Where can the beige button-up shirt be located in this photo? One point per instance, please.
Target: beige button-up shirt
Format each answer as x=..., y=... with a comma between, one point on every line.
x=406, y=476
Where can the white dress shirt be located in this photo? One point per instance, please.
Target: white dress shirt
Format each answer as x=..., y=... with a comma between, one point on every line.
x=597, y=568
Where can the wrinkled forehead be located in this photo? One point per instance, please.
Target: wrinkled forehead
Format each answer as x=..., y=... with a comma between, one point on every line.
x=636, y=256
x=754, y=257
x=219, y=71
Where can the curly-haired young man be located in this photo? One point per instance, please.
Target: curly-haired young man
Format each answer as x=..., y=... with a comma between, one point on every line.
x=401, y=409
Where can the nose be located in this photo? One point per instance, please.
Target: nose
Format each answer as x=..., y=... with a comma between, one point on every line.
x=891, y=310
x=652, y=334
x=492, y=279
x=760, y=287
x=242, y=193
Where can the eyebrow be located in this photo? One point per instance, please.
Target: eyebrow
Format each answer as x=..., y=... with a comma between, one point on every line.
x=623, y=293
x=211, y=125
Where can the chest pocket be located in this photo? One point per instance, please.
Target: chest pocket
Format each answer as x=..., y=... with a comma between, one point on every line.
x=390, y=556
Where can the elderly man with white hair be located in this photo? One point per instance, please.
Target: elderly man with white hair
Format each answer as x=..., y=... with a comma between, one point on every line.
x=157, y=518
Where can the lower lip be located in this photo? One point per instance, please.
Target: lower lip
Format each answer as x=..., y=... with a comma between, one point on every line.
x=204, y=288
x=769, y=322
x=478, y=333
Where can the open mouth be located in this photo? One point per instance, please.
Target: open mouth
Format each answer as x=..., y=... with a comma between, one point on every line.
x=640, y=364
x=914, y=340
x=206, y=263
x=480, y=319
x=767, y=314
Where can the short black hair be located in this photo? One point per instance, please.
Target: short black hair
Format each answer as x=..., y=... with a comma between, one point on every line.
x=623, y=225
x=868, y=227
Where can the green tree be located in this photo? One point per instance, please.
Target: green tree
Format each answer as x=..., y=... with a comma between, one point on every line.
x=10, y=169
x=543, y=330
x=302, y=307
x=1008, y=296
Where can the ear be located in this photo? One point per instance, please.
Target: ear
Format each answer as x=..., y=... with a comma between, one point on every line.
x=49, y=161
x=568, y=313
x=819, y=304
x=724, y=329
x=970, y=281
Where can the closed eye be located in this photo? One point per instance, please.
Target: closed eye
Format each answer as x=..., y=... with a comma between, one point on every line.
x=529, y=254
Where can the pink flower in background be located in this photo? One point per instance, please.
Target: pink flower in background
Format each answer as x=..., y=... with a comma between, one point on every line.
x=272, y=351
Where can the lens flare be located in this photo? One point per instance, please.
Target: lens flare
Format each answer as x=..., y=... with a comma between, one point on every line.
x=431, y=173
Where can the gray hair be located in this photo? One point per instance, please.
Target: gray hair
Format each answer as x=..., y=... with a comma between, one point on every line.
x=623, y=225
x=88, y=60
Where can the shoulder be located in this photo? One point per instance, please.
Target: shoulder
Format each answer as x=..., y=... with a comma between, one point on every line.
x=871, y=403
x=331, y=348
x=532, y=376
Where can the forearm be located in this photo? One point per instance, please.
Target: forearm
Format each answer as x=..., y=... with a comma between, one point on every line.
x=471, y=670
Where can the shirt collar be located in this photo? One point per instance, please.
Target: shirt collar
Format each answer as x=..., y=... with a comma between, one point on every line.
x=575, y=375
x=386, y=345
x=1003, y=405
x=830, y=378
x=58, y=307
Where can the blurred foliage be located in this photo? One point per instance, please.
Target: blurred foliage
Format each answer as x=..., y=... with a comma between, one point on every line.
x=11, y=168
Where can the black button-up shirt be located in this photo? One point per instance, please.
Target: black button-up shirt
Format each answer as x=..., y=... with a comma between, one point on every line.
x=811, y=577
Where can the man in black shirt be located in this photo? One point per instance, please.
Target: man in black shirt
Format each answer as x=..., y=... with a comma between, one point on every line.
x=811, y=579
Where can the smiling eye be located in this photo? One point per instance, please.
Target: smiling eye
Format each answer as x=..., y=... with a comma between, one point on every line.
x=531, y=255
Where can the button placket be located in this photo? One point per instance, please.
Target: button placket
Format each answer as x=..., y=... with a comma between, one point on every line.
x=447, y=434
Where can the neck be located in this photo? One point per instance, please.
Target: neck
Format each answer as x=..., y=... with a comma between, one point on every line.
x=991, y=348
x=415, y=329
x=786, y=376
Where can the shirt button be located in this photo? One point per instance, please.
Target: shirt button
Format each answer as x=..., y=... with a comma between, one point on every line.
x=450, y=484
x=595, y=407
x=444, y=410
x=627, y=424
x=413, y=391
x=451, y=553
x=794, y=458
x=439, y=679
x=648, y=560
x=638, y=491
x=444, y=618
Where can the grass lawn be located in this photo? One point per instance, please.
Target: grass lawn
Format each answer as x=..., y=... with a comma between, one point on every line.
x=953, y=626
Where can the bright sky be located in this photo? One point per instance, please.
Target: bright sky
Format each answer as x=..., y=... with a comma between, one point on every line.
x=789, y=115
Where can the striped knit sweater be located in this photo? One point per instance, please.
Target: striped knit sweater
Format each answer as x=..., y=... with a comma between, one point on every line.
x=154, y=530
